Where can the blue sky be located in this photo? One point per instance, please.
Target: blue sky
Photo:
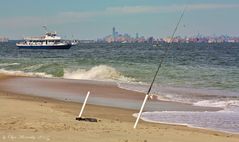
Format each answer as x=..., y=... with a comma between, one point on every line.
x=89, y=19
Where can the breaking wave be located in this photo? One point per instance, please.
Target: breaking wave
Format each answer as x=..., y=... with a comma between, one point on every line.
x=9, y=64
x=22, y=73
x=232, y=105
x=101, y=72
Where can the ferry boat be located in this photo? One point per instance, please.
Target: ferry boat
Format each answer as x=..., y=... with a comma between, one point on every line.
x=49, y=41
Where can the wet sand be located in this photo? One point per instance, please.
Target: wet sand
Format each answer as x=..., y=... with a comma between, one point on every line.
x=31, y=118
x=102, y=93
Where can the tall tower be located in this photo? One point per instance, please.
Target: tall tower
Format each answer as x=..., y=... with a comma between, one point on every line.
x=137, y=35
x=113, y=32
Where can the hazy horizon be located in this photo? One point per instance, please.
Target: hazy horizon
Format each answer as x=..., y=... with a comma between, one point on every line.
x=94, y=19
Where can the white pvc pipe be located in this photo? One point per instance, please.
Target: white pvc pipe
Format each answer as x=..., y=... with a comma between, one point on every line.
x=84, y=103
x=140, y=112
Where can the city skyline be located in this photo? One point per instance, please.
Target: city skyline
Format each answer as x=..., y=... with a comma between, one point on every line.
x=93, y=19
x=119, y=37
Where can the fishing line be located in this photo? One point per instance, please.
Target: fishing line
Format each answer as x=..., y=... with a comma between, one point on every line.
x=166, y=51
x=159, y=66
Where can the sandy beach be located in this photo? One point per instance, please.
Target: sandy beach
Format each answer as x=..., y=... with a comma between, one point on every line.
x=26, y=117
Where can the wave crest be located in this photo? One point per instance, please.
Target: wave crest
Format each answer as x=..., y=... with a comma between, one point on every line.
x=101, y=72
x=9, y=64
x=232, y=105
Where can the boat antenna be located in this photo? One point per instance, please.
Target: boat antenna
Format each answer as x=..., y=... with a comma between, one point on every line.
x=159, y=66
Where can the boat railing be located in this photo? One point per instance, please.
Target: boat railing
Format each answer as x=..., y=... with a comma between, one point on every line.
x=34, y=38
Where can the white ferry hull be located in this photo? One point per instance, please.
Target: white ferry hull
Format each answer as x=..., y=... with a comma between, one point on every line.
x=48, y=41
x=67, y=46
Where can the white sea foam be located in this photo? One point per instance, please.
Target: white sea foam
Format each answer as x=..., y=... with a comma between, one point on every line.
x=22, y=73
x=101, y=72
x=226, y=104
x=222, y=120
x=159, y=91
x=9, y=64
x=33, y=67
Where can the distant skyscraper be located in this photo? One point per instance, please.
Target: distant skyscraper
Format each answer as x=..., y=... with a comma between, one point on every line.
x=113, y=33
x=137, y=35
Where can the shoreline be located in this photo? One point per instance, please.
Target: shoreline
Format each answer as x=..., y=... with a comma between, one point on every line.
x=114, y=122
x=190, y=126
x=102, y=93
x=129, y=119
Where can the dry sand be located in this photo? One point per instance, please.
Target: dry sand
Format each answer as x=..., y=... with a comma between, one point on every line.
x=27, y=118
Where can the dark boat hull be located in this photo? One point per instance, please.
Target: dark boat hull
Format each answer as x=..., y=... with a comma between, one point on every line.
x=46, y=47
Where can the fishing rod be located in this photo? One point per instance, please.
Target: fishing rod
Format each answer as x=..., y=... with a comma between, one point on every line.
x=159, y=66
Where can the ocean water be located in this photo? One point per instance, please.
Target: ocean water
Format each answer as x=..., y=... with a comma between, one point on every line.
x=197, y=74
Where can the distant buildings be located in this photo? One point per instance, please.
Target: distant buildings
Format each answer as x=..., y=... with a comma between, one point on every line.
x=3, y=39
x=86, y=41
x=201, y=39
x=117, y=37
x=121, y=38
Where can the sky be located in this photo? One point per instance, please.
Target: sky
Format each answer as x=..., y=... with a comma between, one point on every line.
x=92, y=19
